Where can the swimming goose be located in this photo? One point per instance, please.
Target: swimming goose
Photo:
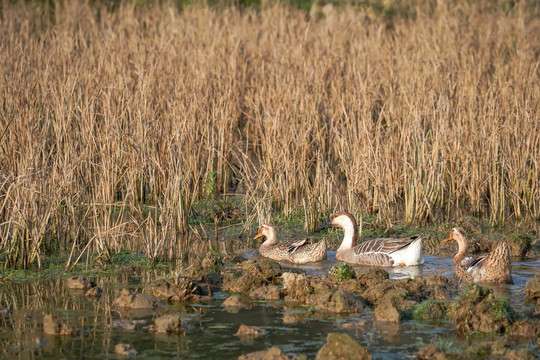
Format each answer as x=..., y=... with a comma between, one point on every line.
x=494, y=267
x=298, y=252
x=377, y=252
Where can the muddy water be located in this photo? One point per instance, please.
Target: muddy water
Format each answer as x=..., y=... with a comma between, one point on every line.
x=293, y=329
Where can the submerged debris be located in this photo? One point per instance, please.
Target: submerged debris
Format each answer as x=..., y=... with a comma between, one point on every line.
x=167, y=290
x=127, y=324
x=176, y=324
x=57, y=327
x=79, y=283
x=212, y=260
x=274, y=353
x=82, y=283
x=341, y=346
x=432, y=352
x=245, y=331
x=125, y=350
x=234, y=301
x=131, y=300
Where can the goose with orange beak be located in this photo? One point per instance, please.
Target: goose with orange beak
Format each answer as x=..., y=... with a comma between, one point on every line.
x=298, y=252
x=494, y=267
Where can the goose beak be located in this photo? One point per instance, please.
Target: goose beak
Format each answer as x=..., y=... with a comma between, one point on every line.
x=326, y=225
x=449, y=238
x=259, y=234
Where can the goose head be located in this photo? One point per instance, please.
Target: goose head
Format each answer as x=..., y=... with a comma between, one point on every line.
x=459, y=235
x=342, y=219
x=267, y=231
x=347, y=222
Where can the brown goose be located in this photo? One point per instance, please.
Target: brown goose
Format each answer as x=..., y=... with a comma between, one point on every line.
x=494, y=267
x=298, y=252
x=377, y=252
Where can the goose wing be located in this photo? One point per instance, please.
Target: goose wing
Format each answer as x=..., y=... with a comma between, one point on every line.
x=373, y=258
x=383, y=246
x=296, y=245
x=469, y=262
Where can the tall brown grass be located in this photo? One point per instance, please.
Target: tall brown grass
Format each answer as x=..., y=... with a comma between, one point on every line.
x=111, y=119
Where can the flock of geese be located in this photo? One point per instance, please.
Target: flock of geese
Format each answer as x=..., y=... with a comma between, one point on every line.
x=494, y=267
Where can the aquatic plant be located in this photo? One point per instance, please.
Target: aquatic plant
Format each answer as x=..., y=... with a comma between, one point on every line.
x=430, y=309
x=341, y=272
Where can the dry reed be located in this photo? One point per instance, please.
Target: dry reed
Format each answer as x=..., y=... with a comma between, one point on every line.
x=112, y=118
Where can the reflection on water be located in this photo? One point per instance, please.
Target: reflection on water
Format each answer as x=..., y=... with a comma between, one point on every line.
x=291, y=327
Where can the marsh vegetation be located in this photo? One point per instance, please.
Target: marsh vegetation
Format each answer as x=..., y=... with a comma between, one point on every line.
x=127, y=126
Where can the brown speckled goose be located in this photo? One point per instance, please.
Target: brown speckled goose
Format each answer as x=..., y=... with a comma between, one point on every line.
x=377, y=252
x=494, y=267
x=298, y=252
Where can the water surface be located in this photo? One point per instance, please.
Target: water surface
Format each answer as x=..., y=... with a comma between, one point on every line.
x=293, y=328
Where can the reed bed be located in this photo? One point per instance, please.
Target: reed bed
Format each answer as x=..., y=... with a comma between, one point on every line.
x=112, y=118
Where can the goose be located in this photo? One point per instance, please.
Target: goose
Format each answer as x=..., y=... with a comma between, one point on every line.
x=494, y=267
x=298, y=252
x=377, y=252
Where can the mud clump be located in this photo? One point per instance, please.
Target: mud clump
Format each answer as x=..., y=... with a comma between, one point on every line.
x=352, y=286
x=274, y=353
x=234, y=302
x=371, y=277
x=180, y=291
x=532, y=290
x=125, y=350
x=266, y=292
x=81, y=283
x=56, y=327
x=341, y=346
x=238, y=282
x=377, y=291
x=520, y=245
x=415, y=288
x=430, y=309
x=477, y=309
x=338, y=301
x=130, y=300
x=296, y=286
x=432, y=352
x=262, y=268
x=526, y=328
x=212, y=260
x=440, y=287
x=172, y=324
x=388, y=310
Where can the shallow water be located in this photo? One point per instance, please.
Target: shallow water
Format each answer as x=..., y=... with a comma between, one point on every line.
x=293, y=329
